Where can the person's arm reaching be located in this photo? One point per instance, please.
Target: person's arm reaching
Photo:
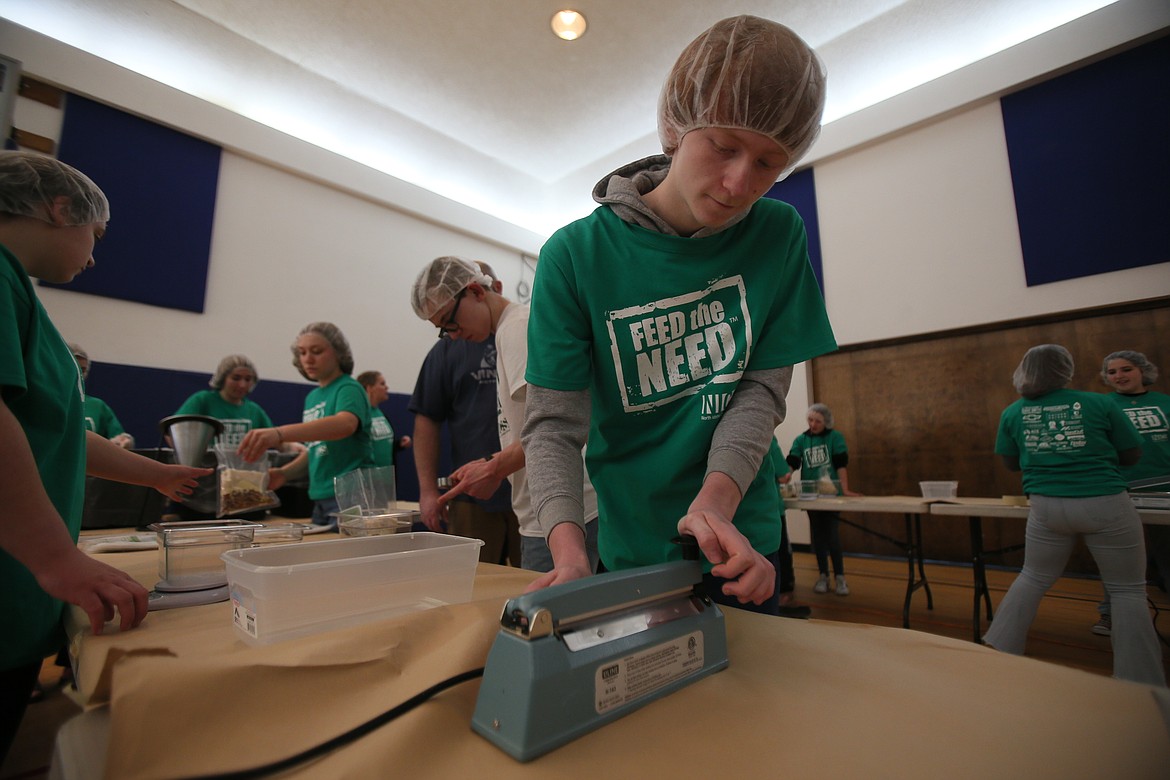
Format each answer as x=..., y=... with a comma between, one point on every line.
x=37, y=537
x=426, y=461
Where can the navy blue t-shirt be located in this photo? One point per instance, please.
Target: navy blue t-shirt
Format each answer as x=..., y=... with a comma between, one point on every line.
x=457, y=385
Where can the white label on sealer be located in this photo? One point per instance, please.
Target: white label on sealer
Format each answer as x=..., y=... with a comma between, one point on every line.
x=624, y=680
x=244, y=618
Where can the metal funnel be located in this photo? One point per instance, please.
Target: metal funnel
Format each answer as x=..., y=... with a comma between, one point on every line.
x=190, y=435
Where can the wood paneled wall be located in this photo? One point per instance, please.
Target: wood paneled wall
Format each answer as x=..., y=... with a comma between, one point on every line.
x=928, y=409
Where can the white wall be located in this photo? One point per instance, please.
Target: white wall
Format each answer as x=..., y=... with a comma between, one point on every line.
x=285, y=251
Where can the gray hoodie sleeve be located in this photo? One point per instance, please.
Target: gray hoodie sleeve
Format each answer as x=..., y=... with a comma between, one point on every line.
x=743, y=434
x=556, y=425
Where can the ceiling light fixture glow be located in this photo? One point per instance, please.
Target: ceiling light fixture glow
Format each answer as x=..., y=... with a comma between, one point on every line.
x=568, y=25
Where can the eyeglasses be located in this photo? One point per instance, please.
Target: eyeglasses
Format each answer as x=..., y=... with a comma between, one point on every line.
x=450, y=327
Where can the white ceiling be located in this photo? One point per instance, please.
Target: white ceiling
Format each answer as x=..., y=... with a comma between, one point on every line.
x=477, y=101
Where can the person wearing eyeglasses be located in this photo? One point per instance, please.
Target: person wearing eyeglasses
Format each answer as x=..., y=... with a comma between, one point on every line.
x=452, y=293
x=456, y=386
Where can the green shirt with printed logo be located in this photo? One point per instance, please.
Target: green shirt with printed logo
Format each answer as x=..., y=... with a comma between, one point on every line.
x=237, y=419
x=660, y=329
x=1067, y=443
x=329, y=459
x=100, y=418
x=381, y=438
x=41, y=386
x=1150, y=414
x=816, y=453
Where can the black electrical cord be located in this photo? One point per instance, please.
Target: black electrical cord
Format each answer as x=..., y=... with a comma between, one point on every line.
x=350, y=736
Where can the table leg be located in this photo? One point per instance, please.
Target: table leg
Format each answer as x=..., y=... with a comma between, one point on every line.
x=980, y=573
x=914, y=554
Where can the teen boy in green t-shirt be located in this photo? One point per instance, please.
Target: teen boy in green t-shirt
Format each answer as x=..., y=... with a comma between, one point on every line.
x=665, y=325
x=50, y=217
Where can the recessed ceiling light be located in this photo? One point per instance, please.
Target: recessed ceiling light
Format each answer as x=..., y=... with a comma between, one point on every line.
x=568, y=25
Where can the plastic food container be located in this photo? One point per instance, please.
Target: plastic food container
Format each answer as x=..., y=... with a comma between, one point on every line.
x=808, y=489
x=939, y=489
x=189, y=552
x=376, y=523
x=279, y=533
x=286, y=591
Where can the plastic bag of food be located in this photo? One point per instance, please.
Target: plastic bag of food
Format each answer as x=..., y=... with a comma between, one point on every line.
x=243, y=486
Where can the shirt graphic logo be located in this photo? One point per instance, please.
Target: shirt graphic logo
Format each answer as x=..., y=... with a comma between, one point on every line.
x=1054, y=428
x=1148, y=419
x=675, y=347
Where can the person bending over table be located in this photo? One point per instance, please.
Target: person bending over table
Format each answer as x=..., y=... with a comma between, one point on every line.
x=665, y=325
x=1070, y=445
x=50, y=217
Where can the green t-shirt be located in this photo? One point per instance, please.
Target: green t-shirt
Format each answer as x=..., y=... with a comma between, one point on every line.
x=816, y=453
x=42, y=387
x=237, y=419
x=381, y=438
x=100, y=418
x=329, y=459
x=660, y=329
x=1150, y=415
x=1067, y=443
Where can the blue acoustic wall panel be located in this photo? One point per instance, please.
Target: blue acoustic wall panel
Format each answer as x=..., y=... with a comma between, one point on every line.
x=161, y=185
x=1090, y=164
x=800, y=191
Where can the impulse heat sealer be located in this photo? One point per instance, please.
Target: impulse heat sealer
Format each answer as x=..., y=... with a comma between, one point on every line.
x=573, y=657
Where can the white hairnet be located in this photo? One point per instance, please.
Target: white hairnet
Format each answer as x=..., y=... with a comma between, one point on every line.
x=30, y=183
x=825, y=413
x=1044, y=368
x=745, y=73
x=79, y=354
x=1140, y=362
x=230, y=364
x=336, y=339
x=440, y=281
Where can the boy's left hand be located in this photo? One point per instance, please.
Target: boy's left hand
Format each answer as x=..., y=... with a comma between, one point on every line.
x=176, y=481
x=735, y=558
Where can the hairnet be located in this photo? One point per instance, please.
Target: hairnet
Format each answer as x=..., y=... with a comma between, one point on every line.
x=1140, y=361
x=745, y=73
x=80, y=354
x=1044, y=368
x=825, y=413
x=439, y=283
x=230, y=364
x=336, y=339
x=29, y=183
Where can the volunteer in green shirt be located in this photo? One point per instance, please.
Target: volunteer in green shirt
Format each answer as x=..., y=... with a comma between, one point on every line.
x=99, y=417
x=665, y=325
x=335, y=426
x=50, y=217
x=385, y=446
x=227, y=401
x=1071, y=446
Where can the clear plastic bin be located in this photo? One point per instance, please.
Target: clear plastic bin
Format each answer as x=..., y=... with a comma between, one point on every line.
x=939, y=489
x=373, y=523
x=286, y=591
x=189, y=552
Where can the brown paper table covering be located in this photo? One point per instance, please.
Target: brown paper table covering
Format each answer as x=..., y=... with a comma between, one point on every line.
x=800, y=698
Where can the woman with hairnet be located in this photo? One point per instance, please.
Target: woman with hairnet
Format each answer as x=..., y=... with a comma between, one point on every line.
x=227, y=401
x=335, y=426
x=1071, y=446
x=1130, y=374
x=820, y=454
x=50, y=217
x=665, y=325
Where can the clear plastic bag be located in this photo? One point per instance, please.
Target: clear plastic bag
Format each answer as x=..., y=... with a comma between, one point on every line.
x=243, y=486
x=370, y=490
